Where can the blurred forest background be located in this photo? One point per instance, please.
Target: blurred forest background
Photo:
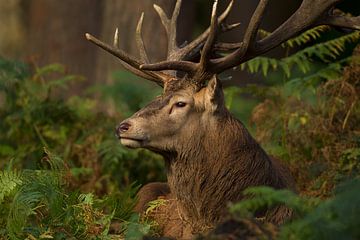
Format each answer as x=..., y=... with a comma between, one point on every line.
x=45, y=31
x=64, y=175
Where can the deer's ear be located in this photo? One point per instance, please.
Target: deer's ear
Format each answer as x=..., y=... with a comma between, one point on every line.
x=214, y=94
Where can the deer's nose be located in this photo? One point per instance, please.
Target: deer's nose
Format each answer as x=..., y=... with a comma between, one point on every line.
x=123, y=127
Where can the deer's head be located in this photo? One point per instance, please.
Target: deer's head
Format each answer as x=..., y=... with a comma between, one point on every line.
x=195, y=100
x=171, y=119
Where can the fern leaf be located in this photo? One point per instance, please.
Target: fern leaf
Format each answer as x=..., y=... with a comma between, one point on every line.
x=265, y=67
x=330, y=49
x=306, y=37
x=9, y=181
x=268, y=197
x=40, y=190
x=325, y=51
x=266, y=64
x=263, y=33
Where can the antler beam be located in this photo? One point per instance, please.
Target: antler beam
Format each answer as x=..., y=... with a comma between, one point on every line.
x=129, y=62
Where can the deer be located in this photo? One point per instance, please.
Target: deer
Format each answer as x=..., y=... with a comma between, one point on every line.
x=210, y=156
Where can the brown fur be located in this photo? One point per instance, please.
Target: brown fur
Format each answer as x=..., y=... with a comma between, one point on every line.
x=228, y=160
x=210, y=159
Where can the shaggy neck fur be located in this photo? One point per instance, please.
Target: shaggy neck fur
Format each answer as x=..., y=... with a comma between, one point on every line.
x=214, y=168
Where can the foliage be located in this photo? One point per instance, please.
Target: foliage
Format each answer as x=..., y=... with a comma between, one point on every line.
x=325, y=51
x=313, y=123
x=43, y=207
x=334, y=218
x=84, y=192
x=8, y=182
x=37, y=113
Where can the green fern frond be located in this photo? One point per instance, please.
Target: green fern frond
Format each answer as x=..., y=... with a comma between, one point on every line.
x=267, y=197
x=86, y=198
x=56, y=163
x=9, y=181
x=327, y=50
x=306, y=37
x=263, y=33
x=49, y=69
x=24, y=205
x=11, y=73
x=331, y=71
x=265, y=63
x=124, y=201
x=152, y=205
x=40, y=191
x=111, y=151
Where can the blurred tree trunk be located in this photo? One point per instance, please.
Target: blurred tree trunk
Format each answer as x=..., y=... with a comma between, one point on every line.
x=11, y=29
x=124, y=15
x=56, y=33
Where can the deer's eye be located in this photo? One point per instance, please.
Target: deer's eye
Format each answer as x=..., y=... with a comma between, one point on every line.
x=180, y=104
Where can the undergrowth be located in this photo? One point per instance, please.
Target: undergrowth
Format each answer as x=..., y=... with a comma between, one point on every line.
x=64, y=174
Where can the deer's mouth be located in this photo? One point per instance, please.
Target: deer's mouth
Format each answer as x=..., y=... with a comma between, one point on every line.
x=131, y=142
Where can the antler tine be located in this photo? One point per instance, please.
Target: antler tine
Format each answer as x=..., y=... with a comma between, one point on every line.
x=114, y=51
x=139, y=41
x=187, y=51
x=129, y=62
x=116, y=38
x=252, y=30
x=249, y=41
x=173, y=34
x=170, y=26
x=207, y=49
x=176, y=62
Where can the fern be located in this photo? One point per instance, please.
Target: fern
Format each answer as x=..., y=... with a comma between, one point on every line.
x=304, y=38
x=267, y=197
x=42, y=201
x=123, y=202
x=153, y=205
x=331, y=71
x=41, y=191
x=335, y=218
x=325, y=51
x=135, y=229
x=265, y=64
x=9, y=181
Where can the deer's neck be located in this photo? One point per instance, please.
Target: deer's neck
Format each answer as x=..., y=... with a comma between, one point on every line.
x=214, y=168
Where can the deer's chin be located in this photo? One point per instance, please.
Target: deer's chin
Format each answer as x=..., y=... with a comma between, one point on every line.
x=131, y=143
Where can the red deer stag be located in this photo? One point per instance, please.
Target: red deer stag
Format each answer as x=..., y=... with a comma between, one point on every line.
x=210, y=156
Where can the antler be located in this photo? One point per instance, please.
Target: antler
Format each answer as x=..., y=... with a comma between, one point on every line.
x=311, y=13
x=175, y=54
